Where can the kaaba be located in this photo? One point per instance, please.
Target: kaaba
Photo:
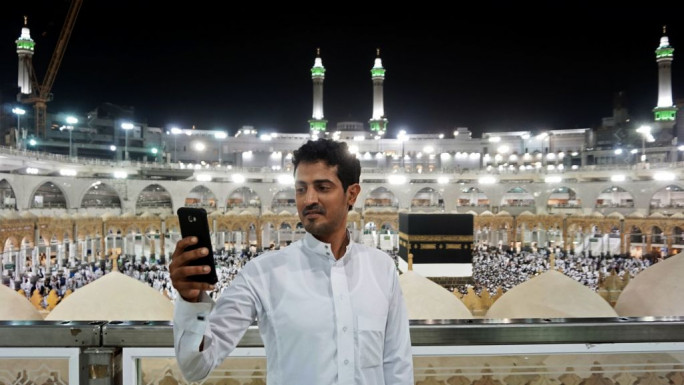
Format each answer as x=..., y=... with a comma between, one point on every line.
x=436, y=238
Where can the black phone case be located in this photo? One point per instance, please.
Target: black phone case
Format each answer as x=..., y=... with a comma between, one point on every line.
x=194, y=222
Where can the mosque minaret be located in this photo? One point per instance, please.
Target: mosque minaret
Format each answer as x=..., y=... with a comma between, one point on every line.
x=378, y=122
x=665, y=111
x=317, y=123
x=25, y=48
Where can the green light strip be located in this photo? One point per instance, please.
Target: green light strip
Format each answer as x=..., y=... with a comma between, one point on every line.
x=26, y=44
x=378, y=72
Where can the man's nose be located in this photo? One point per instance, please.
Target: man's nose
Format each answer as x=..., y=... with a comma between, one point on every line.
x=311, y=196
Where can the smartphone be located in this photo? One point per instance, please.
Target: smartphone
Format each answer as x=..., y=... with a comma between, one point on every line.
x=194, y=222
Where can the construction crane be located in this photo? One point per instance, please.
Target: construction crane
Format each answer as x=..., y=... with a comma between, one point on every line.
x=40, y=93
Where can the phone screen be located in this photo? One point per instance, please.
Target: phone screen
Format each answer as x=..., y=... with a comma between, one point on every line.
x=194, y=222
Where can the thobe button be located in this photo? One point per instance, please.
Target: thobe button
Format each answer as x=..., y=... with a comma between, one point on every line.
x=346, y=362
x=344, y=329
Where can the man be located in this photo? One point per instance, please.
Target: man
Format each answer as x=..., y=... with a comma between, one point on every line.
x=329, y=310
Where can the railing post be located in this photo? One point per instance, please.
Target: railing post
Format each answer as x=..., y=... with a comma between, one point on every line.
x=101, y=366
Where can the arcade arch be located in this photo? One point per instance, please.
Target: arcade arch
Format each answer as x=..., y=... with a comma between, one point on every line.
x=671, y=196
x=517, y=197
x=101, y=196
x=472, y=197
x=154, y=199
x=7, y=198
x=381, y=197
x=427, y=199
x=244, y=198
x=48, y=196
x=564, y=197
x=614, y=196
x=201, y=196
x=284, y=200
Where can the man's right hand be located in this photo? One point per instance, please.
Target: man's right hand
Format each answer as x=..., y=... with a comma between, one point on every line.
x=179, y=270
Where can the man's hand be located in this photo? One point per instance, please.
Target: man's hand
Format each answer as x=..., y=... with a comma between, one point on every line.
x=179, y=270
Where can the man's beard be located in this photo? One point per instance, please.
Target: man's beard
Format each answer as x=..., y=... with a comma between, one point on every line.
x=315, y=227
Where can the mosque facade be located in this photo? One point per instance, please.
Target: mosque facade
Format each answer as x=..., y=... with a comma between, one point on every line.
x=568, y=188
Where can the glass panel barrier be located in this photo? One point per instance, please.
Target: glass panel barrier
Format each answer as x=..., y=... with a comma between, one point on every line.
x=152, y=366
x=567, y=364
x=55, y=366
x=596, y=351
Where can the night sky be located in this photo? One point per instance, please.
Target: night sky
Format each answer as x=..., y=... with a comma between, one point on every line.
x=489, y=70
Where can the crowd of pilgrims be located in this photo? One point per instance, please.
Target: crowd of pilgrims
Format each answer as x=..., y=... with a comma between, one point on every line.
x=493, y=268
x=153, y=272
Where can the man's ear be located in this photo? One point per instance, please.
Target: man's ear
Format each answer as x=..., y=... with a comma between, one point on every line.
x=353, y=193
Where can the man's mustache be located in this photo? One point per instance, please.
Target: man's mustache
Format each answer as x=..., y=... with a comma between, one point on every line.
x=313, y=209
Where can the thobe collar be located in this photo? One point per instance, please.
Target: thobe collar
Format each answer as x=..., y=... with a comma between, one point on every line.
x=324, y=249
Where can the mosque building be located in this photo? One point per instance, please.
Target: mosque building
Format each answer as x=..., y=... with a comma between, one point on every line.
x=107, y=186
x=560, y=188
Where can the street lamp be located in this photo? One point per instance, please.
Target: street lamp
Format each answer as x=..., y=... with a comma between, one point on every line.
x=70, y=126
x=126, y=127
x=19, y=112
x=646, y=135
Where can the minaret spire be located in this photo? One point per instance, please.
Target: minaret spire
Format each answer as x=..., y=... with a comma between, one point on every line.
x=665, y=111
x=317, y=123
x=25, y=48
x=378, y=122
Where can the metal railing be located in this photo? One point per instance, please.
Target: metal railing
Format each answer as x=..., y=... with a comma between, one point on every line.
x=115, y=352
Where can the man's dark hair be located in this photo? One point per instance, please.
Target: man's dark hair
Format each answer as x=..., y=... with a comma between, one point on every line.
x=333, y=153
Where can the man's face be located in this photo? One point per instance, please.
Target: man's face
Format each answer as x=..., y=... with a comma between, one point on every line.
x=322, y=203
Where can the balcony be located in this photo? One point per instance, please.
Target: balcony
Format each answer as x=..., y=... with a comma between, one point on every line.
x=538, y=351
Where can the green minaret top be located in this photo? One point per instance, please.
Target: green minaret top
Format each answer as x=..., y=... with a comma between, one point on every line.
x=318, y=71
x=664, y=50
x=377, y=71
x=25, y=43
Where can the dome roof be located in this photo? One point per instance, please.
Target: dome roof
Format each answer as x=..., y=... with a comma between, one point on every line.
x=114, y=296
x=426, y=299
x=12, y=215
x=615, y=214
x=551, y=294
x=28, y=215
x=353, y=214
x=15, y=307
x=655, y=291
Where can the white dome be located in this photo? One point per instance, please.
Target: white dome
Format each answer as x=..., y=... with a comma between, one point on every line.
x=114, y=297
x=12, y=215
x=655, y=291
x=15, y=306
x=551, y=294
x=426, y=299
